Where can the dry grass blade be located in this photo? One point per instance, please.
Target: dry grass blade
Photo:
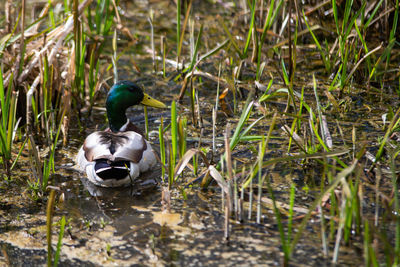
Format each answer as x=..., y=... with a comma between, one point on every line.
x=183, y=162
x=298, y=140
x=228, y=153
x=361, y=60
x=318, y=6
x=327, y=134
x=166, y=199
x=219, y=179
x=184, y=25
x=227, y=189
x=54, y=44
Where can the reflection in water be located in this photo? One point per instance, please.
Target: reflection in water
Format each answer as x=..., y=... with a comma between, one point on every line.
x=138, y=188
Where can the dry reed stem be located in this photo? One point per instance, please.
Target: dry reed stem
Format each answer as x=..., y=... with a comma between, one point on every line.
x=53, y=43
x=57, y=37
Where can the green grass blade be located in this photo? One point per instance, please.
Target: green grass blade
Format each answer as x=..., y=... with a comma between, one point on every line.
x=19, y=154
x=214, y=50
x=174, y=137
x=196, y=49
x=2, y=102
x=373, y=14
x=182, y=134
x=335, y=15
x=11, y=122
x=253, y=12
x=242, y=121
x=322, y=52
x=393, y=124
x=285, y=247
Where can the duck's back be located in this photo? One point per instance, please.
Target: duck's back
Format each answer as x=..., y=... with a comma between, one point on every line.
x=114, y=159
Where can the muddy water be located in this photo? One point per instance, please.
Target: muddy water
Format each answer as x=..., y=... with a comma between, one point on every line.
x=118, y=229
x=123, y=227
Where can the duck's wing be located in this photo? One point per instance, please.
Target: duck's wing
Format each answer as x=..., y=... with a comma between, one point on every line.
x=114, y=146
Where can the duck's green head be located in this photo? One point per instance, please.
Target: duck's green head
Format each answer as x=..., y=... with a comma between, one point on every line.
x=122, y=95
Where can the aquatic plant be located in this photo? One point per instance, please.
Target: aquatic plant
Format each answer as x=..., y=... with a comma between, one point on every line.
x=8, y=123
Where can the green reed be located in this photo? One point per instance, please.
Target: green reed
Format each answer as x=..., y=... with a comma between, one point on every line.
x=174, y=149
x=101, y=22
x=52, y=20
x=93, y=75
x=182, y=135
x=396, y=208
x=285, y=238
x=67, y=7
x=345, y=49
x=241, y=133
x=52, y=118
x=162, y=148
x=339, y=177
x=271, y=16
x=242, y=53
x=196, y=50
x=351, y=210
x=324, y=51
x=348, y=46
x=49, y=163
x=78, y=83
x=100, y=25
x=334, y=210
x=251, y=28
x=8, y=122
x=369, y=252
x=393, y=125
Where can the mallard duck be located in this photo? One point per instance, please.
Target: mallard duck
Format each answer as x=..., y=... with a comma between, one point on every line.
x=116, y=156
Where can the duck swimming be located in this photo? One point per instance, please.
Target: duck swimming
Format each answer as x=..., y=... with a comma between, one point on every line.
x=116, y=156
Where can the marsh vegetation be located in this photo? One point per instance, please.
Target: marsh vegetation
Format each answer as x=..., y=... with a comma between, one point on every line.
x=280, y=144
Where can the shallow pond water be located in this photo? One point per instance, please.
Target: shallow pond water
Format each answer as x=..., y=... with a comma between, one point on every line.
x=129, y=226
x=119, y=229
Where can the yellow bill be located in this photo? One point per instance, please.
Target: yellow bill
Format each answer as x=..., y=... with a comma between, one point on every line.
x=151, y=102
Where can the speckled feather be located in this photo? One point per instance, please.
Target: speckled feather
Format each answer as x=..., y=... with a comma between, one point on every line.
x=114, y=146
x=128, y=146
